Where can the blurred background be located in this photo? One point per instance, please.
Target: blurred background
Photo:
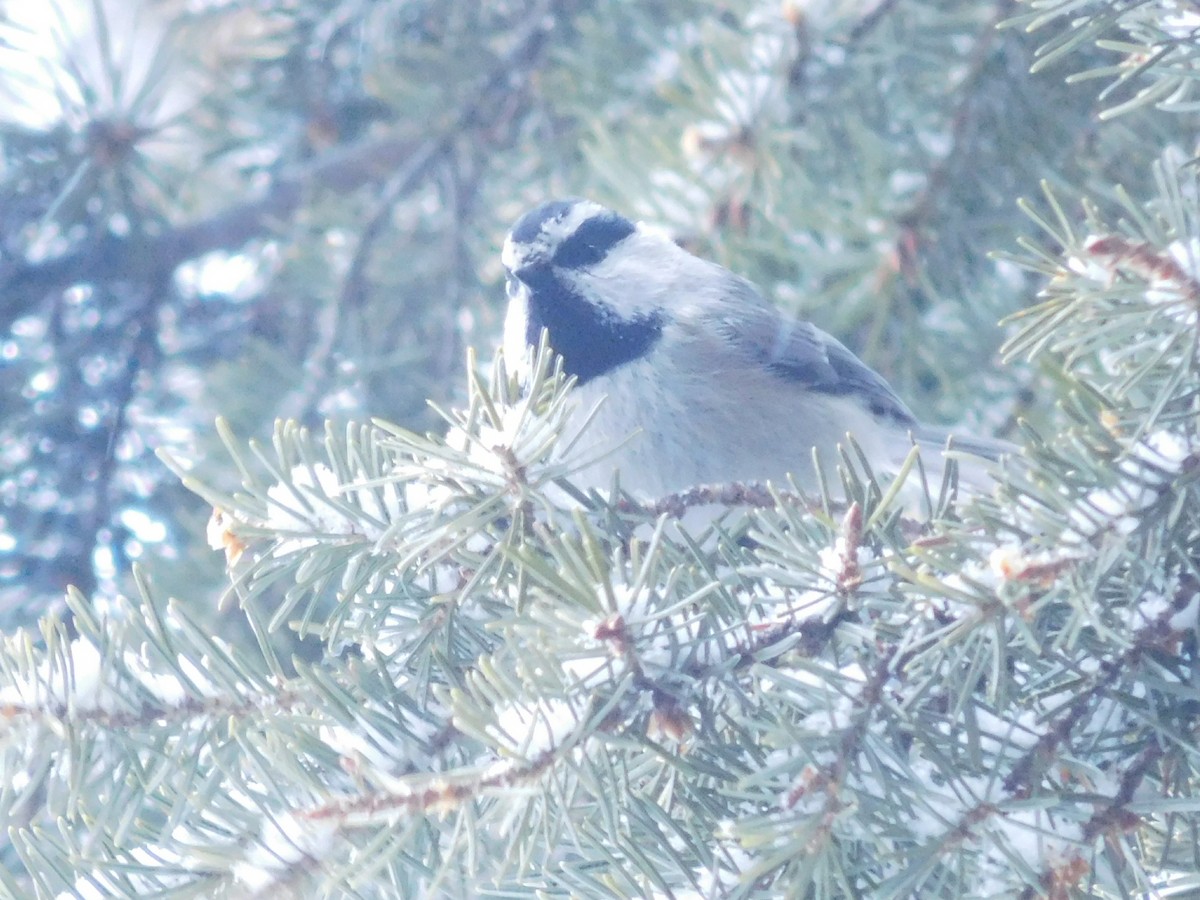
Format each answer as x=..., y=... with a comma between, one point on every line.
x=293, y=208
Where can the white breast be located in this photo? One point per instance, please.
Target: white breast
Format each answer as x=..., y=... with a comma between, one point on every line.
x=682, y=429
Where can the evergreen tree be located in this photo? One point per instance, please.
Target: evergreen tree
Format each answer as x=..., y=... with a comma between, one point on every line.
x=420, y=662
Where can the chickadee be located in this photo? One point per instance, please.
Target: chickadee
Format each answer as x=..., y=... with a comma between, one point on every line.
x=710, y=383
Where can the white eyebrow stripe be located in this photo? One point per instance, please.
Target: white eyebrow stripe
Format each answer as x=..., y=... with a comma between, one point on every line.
x=551, y=235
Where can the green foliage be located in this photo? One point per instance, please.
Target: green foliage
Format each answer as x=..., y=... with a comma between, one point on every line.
x=515, y=693
x=433, y=667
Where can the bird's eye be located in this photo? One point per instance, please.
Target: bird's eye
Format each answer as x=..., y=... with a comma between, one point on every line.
x=512, y=286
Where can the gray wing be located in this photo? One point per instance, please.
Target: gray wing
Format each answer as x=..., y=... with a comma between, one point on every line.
x=801, y=353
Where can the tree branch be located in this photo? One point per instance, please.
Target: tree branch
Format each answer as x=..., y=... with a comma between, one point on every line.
x=342, y=169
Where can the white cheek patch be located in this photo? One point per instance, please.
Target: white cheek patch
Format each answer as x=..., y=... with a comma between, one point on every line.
x=641, y=274
x=556, y=231
x=509, y=255
x=517, y=353
x=551, y=235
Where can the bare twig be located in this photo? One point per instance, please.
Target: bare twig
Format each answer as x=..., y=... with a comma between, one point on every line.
x=873, y=17
x=938, y=180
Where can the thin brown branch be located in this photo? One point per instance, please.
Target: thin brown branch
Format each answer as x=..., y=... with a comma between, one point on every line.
x=737, y=493
x=151, y=715
x=871, y=20
x=1022, y=780
x=433, y=793
x=939, y=176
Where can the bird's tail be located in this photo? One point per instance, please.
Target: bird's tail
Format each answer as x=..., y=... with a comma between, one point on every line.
x=976, y=456
x=944, y=438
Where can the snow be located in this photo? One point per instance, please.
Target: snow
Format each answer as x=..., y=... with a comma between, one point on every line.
x=77, y=685
x=283, y=842
x=531, y=731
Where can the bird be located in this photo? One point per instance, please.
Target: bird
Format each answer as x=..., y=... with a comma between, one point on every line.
x=686, y=370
